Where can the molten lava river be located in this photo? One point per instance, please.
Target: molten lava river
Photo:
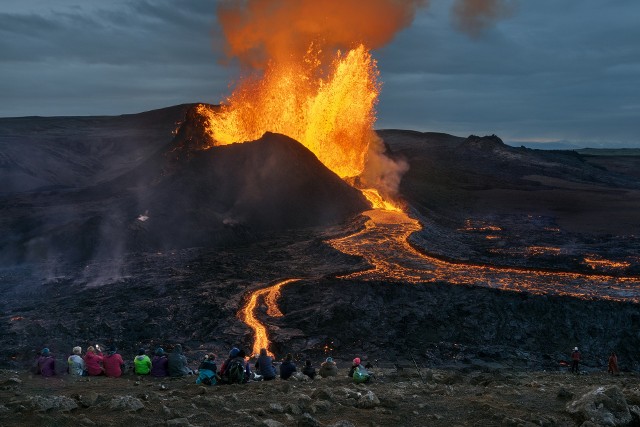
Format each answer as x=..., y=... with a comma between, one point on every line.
x=329, y=107
x=383, y=242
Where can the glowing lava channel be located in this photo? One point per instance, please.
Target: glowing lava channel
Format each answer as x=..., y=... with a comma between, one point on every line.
x=384, y=245
x=270, y=296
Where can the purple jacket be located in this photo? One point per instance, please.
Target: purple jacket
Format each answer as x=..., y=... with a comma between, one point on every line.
x=46, y=366
x=160, y=366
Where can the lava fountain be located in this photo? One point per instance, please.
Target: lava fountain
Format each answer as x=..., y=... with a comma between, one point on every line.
x=332, y=115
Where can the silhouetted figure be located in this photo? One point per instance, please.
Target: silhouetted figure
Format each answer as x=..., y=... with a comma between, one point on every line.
x=287, y=368
x=613, y=364
x=309, y=370
x=575, y=361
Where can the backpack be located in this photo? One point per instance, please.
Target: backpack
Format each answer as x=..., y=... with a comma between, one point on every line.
x=360, y=375
x=235, y=373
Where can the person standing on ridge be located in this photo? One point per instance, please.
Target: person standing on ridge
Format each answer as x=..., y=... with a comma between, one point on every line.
x=575, y=361
x=613, y=364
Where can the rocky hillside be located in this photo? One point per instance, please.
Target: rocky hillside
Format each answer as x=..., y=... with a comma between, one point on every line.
x=399, y=396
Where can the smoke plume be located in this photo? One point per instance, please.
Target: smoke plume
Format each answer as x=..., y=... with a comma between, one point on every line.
x=475, y=16
x=258, y=31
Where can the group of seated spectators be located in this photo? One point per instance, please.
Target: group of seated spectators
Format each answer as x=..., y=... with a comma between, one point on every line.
x=111, y=364
x=235, y=369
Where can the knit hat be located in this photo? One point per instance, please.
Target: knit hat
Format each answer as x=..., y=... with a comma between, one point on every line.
x=159, y=351
x=329, y=359
x=141, y=352
x=45, y=351
x=356, y=361
x=234, y=352
x=77, y=350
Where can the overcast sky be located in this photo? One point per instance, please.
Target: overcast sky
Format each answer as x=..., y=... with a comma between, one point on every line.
x=556, y=70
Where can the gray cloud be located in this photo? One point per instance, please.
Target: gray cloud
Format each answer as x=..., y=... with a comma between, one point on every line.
x=550, y=71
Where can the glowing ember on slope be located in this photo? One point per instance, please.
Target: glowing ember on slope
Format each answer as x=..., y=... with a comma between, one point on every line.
x=599, y=263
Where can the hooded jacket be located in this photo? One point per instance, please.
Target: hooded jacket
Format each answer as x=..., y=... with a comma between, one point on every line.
x=160, y=366
x=142, y=364
x=112, y=365
x=178, y=363
x=264, y=366
x=92, y=362
x=328, y=369
x=46, y=366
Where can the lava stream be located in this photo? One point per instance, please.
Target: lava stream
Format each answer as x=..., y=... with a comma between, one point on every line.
x=384, y=244
x=270, y=296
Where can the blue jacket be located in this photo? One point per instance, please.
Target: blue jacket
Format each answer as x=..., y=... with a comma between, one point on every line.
x=264, y=365
x=286, y=369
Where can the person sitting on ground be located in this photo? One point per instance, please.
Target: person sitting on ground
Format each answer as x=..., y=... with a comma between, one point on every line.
x=178, y=363
x=287, y=368
x=358, y=372
x=113, y=363
x=207, y=371
x=93, y=361
x=46, y=364
x=160, y=364
x=309, y=370
x=264, y=366
x=328, y=368
x=75, y=364
x=141, y=363
x=613, y=364
x=234, y=368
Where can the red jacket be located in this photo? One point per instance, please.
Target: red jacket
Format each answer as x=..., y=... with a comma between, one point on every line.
x=575, y=355
x=92, y=361
x=112, y=363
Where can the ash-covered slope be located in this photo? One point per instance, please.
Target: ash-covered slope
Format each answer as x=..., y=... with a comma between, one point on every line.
x=485, y=201
x=177, y=196
x=39, y=153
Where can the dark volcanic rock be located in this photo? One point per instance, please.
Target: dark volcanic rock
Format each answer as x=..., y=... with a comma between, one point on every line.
x=180, y=196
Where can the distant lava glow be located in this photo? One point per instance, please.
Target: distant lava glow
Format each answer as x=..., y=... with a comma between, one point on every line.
x=384, y=244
